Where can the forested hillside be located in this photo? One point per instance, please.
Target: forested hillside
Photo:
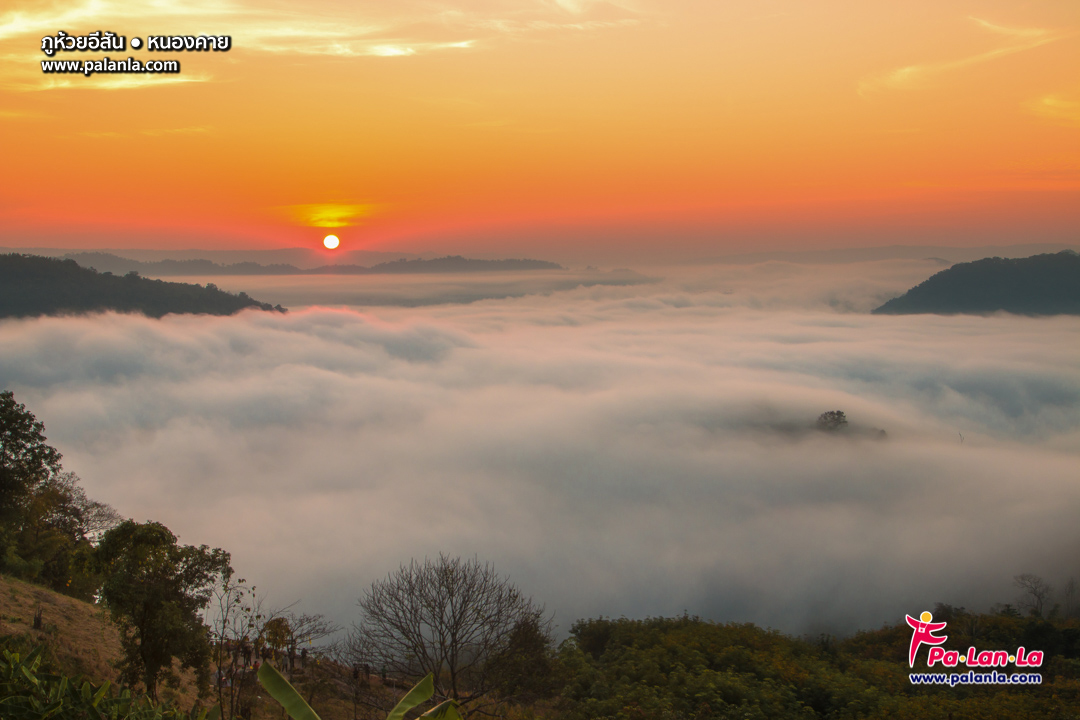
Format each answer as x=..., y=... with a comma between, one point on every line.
x=32, y=286
x=1038, y=285
x=690, y=668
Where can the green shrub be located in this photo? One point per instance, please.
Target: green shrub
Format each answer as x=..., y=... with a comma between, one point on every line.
x=28, y=693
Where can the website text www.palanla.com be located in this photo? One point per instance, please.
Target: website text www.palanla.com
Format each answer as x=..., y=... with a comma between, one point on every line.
x=975, y=678
x=107, y=65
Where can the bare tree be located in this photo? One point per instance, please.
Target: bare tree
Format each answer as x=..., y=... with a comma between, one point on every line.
x=237, y=619
x=1036, y=592
x=449, y=617
x=296, y=643
x=301, y=634
x=368, y=693
x=1070, y=596
x=244, y=633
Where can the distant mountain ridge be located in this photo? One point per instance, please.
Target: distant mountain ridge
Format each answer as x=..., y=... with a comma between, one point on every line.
x=1046, y=284
x=943, y=253
x=31, y=286
x=301, y=257
x=452, y=263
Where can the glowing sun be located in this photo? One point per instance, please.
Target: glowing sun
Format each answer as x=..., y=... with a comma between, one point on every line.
x=331, y=242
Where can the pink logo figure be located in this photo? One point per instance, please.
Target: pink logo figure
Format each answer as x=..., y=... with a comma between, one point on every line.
x=924, y=633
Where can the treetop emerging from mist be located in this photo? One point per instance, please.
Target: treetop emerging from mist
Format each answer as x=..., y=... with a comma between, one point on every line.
x=832, y=420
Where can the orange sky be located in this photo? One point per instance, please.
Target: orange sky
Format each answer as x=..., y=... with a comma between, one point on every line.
x=519, y=127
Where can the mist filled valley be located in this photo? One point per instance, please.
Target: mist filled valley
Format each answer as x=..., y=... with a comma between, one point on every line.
x=642, y=445
x=539, y=360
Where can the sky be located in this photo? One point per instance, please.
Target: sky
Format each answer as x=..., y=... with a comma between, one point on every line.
x=547, y=128
x=634, y=450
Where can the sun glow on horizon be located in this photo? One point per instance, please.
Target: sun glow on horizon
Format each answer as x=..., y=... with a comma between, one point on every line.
x=330, y=242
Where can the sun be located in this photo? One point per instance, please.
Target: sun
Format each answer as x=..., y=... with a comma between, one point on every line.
x=331, y=242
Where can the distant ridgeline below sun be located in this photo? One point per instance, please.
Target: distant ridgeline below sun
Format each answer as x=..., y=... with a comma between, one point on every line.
x=331, y=242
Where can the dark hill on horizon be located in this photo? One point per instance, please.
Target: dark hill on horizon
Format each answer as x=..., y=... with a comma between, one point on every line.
x=1046, y=284
x=450, y=264
x=31, y=285
x=454, y=263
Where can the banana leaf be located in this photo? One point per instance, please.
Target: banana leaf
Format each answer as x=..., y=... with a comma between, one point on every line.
x=281, y=690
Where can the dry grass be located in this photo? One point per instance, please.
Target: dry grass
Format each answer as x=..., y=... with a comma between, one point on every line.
x=80, y=640
x=78, y=636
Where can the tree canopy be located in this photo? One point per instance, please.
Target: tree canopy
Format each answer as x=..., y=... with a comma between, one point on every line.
x=25, y=459
x=692, y=669
x=155, y=590
x=832, y=420
x=47, y=523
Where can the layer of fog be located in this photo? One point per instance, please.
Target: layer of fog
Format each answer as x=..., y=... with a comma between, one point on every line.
x=411, y=290
x=627, y=450
x=851, y=287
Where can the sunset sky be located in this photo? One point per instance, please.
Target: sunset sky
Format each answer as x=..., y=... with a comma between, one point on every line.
x=534, y=127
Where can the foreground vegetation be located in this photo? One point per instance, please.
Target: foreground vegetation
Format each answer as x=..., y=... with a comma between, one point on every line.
x=689, y=668
x=29, y=691
x=187, y=639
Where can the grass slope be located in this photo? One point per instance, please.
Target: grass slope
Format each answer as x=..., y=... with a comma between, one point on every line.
x=78, y=637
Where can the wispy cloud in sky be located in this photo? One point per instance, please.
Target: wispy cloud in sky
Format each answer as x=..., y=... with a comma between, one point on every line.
x=1063, y=108
x=27, y=19
x=20, y=115
x=329, y=215
x=155, y=132
x=361, y=30
x=913, y=76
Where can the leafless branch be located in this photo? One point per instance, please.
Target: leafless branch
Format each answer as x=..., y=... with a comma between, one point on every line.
x=448, y=617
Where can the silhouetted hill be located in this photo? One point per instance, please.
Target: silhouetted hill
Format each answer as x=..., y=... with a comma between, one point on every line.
x=32, y=285
x=106, y=262
x=456, y=263
x=1037, y=285
x=450, y=264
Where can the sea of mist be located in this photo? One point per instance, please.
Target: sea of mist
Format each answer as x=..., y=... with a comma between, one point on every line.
x=635, y=449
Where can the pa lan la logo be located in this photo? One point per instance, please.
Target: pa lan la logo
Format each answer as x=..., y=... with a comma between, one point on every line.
x=923, y=631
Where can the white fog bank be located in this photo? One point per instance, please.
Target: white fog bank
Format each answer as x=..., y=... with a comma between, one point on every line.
x=637, y=450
